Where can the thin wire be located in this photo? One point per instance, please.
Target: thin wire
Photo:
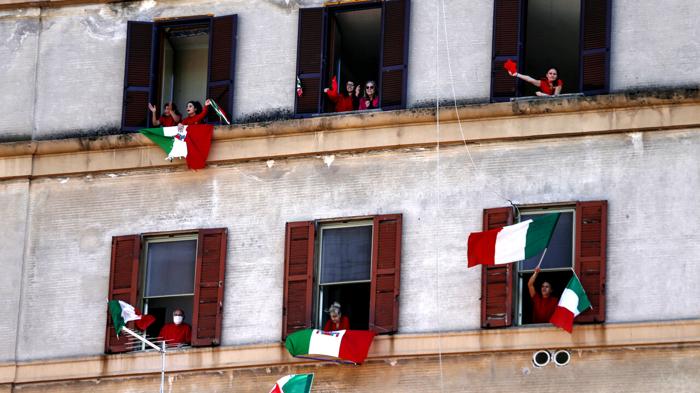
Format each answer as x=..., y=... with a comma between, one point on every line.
x=454, y=100
x=437, y=190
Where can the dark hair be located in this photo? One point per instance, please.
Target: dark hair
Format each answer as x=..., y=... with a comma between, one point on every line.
x=197, y=106
x=345, y=91
x=173, y=108
x=554, y=83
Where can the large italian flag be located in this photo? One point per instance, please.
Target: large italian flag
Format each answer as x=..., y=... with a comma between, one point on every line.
x=573, y=301
x=123, y=312
x=511, y=243
x=295, y=383
x=192, y=142
x=343, y=345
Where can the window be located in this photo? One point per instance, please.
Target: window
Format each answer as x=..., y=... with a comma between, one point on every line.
x=355, y=262
x=572, y=35
x=579, y=243
x=178, y=60
x=360, y=41
x=161, y=272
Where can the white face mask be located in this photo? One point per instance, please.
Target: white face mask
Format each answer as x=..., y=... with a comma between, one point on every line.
x=178, y=319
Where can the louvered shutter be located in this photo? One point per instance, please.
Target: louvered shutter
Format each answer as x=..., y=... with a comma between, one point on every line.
x=394, y=53
x=298, y=277
x=591, y=245
x=138, y=75
x=209, y=287
x=386, y=273
x=595, y=46
x=507, y=44
x=497, y=281
x=222, y=65
x=123, y=285
x=310, y=59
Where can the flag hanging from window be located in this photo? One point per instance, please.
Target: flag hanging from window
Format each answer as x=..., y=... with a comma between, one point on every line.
x=343, y=345
x=191, y=142
x=511, y=243
x=295, y=383
x=123, y=312
x=300, y=91
x=573, y=301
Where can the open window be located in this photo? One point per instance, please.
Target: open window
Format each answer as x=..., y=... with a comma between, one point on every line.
x=361, y=41
x=354, y=262
x=578, y=245
x=571, y=35
x=178, y=60
x=161, y=272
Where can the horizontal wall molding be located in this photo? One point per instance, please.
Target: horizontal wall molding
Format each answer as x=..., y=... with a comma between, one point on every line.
x=364, y=131
x=600, y=337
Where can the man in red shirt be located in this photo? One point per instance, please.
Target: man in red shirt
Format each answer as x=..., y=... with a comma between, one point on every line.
x=543, y=303
x=178, y=332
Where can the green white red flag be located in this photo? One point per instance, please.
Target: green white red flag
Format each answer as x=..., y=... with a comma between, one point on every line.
x=123, y=312
x=573, y=301
x=342, y=345
x=511, y=243
x=191, y=142
x=295, y=383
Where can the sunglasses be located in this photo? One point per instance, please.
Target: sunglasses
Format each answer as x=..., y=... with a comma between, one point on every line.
x=369, y=87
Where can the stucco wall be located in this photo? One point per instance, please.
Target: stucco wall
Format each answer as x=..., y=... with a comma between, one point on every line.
x=652, y=245
x=75, y=86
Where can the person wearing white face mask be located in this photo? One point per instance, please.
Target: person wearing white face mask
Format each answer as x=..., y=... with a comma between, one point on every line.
x=178, y=332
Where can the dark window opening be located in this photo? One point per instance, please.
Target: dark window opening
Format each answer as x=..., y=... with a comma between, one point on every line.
x=557, y=264
x=184, y=62
x=552, y=29
x=345, y=271
x=353, y=49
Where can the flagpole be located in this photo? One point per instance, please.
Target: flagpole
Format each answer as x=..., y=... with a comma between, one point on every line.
x=542, y=257
x=162, y=369
x=150, y=344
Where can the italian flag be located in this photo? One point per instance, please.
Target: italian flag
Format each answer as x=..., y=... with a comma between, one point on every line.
x=511, y=243
x=192, y=142
x=344, y=345
x=123, y=312
x=573, y=301
x=295, y=383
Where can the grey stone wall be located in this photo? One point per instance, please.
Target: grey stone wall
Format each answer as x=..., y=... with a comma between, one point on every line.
x=62, y=70
x=649, y=179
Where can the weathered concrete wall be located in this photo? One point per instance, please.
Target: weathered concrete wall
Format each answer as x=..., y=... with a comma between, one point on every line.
x=637, y=370
x=73, y=219
x=81, y=49
x=14, y=201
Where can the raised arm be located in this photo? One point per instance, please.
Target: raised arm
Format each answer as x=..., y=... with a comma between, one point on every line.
x=154, y=119
x=531, y=282
x=332, y=92
x=526, y=78
x=175, y=116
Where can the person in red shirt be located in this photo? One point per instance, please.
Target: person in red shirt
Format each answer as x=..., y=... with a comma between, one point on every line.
x=338, y=321
x=178, y=332
x=371, y=98
x=550, y=85
x=170, y=116
x=346, y=100
x=195, y=113
x=543, y=303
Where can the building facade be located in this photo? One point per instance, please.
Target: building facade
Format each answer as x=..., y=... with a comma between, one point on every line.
x=299, y=206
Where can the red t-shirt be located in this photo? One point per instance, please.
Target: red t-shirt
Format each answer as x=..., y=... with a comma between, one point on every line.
x=547, y=89
x=167, y=121
x=343, y=325
x=543, y=308
x=176, y=334
x=196, y=119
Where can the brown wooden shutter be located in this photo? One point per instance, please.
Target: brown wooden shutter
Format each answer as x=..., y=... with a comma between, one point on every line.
x=507, y=44
x=138, y=74
x=310, y=59
x=497, y=281
x=386, y=272
x=394, y=53
x=595, y=46
x=591, y=245
x=209, y=287
x=123, y=285
x=298, y=277
x=222, y=65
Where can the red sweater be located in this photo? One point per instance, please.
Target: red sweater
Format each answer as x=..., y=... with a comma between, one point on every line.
x=343, y=103
x=343, y=325
x=195, y=119
x=543, y=308
x=547, y=88
x=176, y=334
x=167, y=121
